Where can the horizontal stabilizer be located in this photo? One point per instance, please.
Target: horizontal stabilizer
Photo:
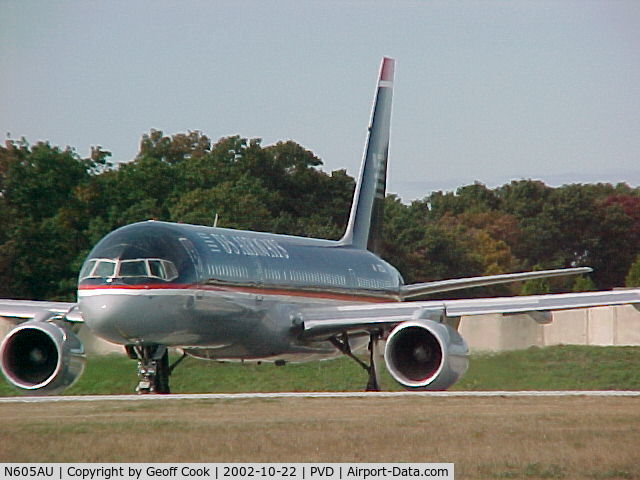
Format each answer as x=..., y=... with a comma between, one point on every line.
x=419, y=289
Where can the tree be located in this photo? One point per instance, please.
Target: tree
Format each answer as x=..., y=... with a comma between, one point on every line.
x=55, y=205
x=583, y=283
x=175, y=149
x=39, y=179
x=43, y=217
x=633, y=277
x=238, y=205
x=537, y=286
x=523, y=198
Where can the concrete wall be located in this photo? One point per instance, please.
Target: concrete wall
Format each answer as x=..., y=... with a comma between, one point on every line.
x=603, y=326
x=496, y=333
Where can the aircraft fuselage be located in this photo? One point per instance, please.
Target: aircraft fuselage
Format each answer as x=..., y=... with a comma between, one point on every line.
x=222, y=293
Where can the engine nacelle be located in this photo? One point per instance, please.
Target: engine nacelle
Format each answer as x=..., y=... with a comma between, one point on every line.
x=41, y=357
x=426, y=355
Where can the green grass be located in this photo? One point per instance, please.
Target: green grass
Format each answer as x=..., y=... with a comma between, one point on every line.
x=555, y=368
x=551, y=368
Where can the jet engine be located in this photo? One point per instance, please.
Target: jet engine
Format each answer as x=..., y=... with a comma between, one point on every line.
x=41, y=357
x=426, y=355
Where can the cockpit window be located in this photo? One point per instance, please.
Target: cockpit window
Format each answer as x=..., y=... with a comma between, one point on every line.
x=133, y=268
x=104, y=268
x=140, y=267
x=156, y=268
x=87, y=268
x=170, y=269
x=162, y=269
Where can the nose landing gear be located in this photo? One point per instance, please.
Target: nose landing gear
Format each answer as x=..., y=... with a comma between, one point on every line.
x=153, y=367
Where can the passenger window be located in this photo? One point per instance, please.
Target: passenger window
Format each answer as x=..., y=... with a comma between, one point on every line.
x=133, y=268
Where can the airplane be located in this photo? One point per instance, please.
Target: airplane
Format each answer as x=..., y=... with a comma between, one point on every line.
x=223, y=294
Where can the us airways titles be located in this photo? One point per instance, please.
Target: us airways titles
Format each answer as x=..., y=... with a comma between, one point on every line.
x=241, y=245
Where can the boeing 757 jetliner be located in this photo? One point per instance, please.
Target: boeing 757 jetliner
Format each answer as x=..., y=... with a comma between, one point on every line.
x=224, y=294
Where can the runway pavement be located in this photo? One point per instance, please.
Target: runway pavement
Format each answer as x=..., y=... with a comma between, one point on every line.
x=244, y=396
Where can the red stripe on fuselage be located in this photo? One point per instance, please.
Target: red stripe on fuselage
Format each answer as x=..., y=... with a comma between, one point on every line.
x=242, y=289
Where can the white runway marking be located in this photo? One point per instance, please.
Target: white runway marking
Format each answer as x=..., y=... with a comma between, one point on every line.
x=244, y=396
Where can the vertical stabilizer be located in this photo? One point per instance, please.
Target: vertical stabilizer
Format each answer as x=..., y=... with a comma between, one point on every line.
x=365, y=221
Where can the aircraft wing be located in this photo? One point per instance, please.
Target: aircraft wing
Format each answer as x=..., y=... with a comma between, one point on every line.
x=419, y=289
x=22, y=310
x=322, y=323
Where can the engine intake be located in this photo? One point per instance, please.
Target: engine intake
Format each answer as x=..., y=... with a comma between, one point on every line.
x=41, y=357
x=426, y=355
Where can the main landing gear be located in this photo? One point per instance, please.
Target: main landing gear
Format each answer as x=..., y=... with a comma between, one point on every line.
x=153, y=367
x=341, y=342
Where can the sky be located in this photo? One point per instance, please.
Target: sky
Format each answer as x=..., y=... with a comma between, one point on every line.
x=488, y=91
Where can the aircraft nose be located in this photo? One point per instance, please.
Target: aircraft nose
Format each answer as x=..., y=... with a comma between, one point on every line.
x=134, y=315
x=101, y=314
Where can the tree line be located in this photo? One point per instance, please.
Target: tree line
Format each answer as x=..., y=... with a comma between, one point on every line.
x=55, y=205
